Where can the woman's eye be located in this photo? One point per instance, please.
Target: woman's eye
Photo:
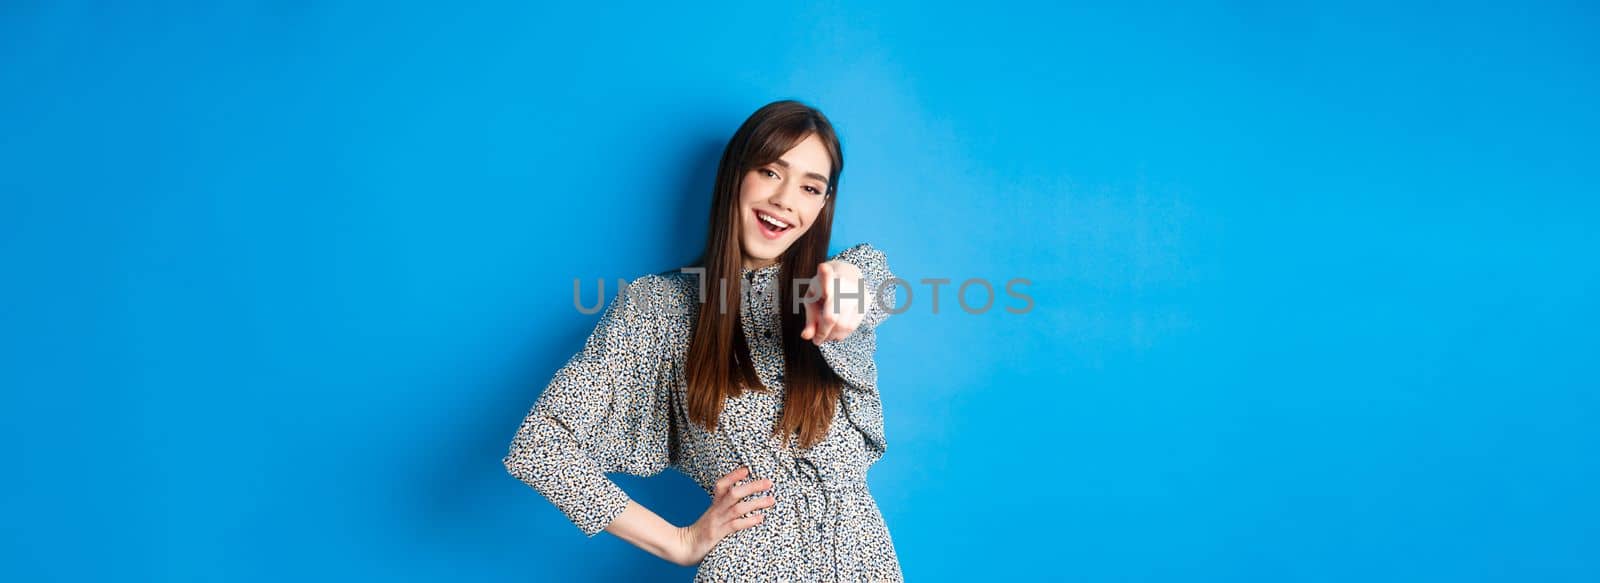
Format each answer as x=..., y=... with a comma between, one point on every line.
x=768, y=172
x=813, y=190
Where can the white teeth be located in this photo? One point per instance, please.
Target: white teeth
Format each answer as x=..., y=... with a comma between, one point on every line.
x=771, y=221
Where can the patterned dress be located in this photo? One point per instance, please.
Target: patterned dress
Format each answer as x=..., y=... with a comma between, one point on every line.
x=619, y=405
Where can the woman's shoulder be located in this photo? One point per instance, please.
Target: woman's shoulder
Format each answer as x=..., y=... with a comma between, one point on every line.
x=872, y=261
x=668, y=291
x=862, y=255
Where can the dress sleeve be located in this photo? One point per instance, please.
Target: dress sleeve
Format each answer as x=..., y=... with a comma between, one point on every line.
x=852, y=357
x=878, y=279
x=608, y=409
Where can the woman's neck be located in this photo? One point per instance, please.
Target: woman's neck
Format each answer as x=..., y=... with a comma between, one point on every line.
x=753, y=263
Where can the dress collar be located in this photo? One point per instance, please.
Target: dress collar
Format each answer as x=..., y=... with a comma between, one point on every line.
x=761, y=272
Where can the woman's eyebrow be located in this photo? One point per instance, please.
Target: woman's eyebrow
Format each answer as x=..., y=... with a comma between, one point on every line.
x=785, y=164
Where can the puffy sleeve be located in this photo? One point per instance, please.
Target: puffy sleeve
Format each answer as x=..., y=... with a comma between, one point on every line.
x=852, y=357
x=608, y=409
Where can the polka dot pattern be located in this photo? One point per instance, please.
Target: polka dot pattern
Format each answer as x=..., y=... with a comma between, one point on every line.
x=619, y=405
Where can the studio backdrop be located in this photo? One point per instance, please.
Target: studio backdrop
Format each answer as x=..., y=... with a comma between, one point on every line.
x=1310, y=288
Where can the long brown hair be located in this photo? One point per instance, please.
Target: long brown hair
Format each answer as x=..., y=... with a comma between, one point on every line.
x=718, y=364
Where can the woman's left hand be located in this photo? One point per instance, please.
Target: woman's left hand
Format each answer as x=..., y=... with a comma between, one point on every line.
x=840, y=306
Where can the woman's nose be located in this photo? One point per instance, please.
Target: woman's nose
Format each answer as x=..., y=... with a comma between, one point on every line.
x=784, y=197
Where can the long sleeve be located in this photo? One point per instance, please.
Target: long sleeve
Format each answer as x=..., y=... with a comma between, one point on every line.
x=878, y=279
x=608, y=409
x=852, y=357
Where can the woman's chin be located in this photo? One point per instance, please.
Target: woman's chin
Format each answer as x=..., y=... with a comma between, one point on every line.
x=761, y=249
x=760, y=253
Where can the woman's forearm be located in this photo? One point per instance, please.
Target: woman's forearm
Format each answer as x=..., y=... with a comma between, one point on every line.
x=647, y=530
x=689, y=545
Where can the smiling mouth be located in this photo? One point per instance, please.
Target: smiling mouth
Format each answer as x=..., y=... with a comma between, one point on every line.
x=771, y=223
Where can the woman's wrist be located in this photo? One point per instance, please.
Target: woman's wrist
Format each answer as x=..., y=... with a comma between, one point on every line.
x=690, y=542
x=689, y=545
x=647, y=530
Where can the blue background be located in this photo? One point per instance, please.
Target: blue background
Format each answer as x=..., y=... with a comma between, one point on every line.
x=1315, y=286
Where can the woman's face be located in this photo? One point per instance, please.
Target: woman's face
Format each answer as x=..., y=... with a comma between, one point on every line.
x=789, y=192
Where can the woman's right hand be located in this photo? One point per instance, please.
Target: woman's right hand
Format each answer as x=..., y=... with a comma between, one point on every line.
x=726, y=514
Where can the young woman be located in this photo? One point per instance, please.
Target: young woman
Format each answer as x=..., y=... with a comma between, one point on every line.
x=751, y=372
